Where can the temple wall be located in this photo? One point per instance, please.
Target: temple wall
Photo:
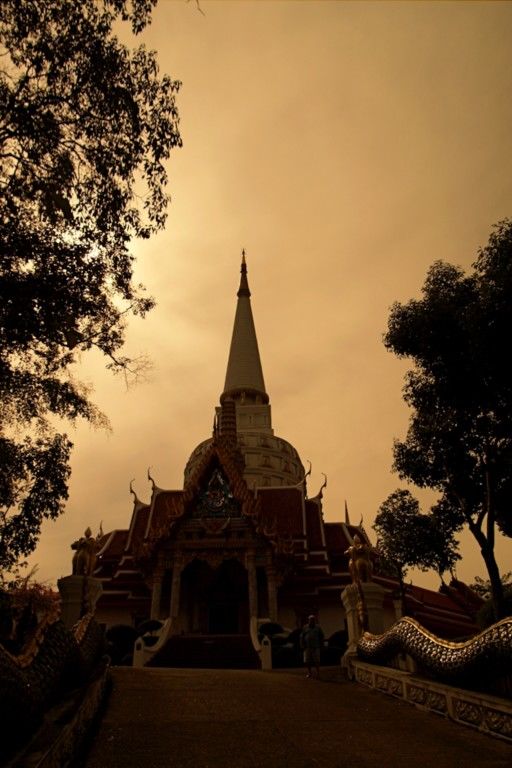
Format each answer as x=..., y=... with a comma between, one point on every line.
x=331, y=616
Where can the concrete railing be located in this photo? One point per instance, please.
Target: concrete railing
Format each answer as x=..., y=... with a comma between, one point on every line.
x=263, y=648
x=489, y=714
x=143, y=653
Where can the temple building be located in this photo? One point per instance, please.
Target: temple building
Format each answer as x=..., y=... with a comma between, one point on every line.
x=243, y=540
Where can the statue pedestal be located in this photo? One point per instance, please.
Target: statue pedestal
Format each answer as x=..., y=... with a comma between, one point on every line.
x=350, y=599
x=374, y=601
x=78, y=594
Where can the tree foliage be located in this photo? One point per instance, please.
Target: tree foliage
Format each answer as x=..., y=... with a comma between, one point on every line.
x=483, y=587
x=86, y=126
x=459, y=440
x=487, y=615
x=406, y=538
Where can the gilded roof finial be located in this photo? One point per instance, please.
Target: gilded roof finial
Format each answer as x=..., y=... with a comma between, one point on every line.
x=151, y=479
x=347, y=518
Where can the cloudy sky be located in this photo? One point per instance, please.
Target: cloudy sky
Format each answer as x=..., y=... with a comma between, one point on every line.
x=346, y=146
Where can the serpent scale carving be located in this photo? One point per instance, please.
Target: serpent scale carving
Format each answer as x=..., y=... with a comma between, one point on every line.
x=488, y=653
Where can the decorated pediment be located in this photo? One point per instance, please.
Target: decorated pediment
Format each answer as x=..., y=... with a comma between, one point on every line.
x=217, y=487
x=215, y=498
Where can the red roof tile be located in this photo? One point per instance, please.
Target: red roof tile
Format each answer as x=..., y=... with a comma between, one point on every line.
x=138, y=526
x=282, y=507
x=335, y=538
x=313, y=525
x=166, y=508
x=114, y=545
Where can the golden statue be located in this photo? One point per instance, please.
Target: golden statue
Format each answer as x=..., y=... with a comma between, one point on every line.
x=360, y=564
x=85, y=557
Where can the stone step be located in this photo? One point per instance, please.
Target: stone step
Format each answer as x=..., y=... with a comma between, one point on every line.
x=207, y=652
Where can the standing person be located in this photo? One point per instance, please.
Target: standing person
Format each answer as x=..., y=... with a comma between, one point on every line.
x=312, y=640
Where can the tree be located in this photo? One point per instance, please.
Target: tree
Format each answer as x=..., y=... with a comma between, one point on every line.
x=483, y=588
x=406, y=538
x=486, y=615
x=86, y=126
x=459, y=440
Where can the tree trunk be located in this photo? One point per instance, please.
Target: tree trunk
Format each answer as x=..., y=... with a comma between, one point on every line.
x=487, y=549
x=498, y=598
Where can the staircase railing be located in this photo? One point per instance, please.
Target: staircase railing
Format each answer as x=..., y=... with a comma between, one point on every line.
x=143, y=653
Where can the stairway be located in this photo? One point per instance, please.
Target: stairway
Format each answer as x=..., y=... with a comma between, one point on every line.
x=207, y=652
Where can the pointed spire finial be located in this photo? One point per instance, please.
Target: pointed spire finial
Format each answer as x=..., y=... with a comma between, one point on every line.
x=347, y=518
x=244, y=373
x=244, y=285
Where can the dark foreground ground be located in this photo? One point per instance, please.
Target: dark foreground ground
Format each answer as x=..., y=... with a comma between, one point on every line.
x=190, y=718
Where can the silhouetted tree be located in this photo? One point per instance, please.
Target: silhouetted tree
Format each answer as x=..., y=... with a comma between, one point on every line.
x=406, y=538
x=86, y=126
x=459, y=440
x=486, y=615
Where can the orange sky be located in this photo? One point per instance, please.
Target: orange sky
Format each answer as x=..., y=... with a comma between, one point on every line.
x=346, y=146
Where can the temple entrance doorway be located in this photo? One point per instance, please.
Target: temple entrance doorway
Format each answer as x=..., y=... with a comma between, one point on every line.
x=214, y=601
x=228, y=612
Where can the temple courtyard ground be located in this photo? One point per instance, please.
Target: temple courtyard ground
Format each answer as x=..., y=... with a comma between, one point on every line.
x=193, y=718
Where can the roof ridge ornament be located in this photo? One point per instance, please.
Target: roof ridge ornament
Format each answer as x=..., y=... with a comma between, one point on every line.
x=324, y=485
x=302, y=483
x=136, y=499
x=153, y=484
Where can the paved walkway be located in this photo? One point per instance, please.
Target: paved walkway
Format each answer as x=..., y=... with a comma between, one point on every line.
x=190, y=718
